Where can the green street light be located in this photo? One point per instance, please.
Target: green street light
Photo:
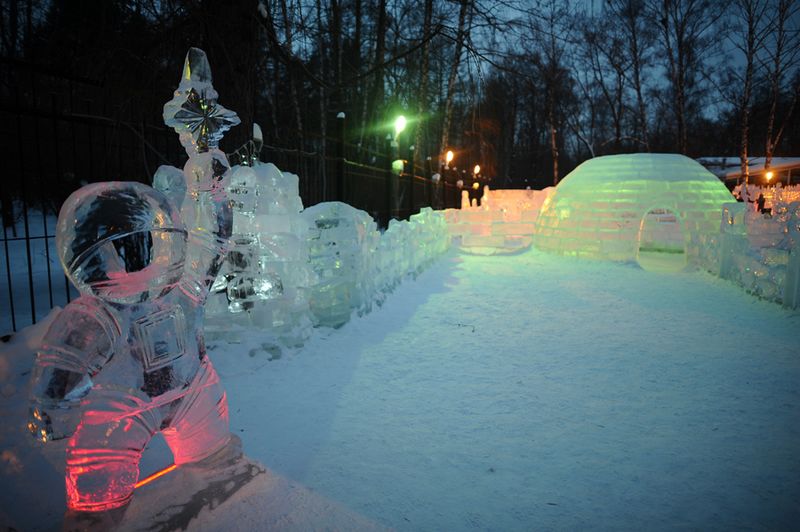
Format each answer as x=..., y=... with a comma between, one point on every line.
x=399, y=124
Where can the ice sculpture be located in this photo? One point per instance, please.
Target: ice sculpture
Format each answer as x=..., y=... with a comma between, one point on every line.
x=341, y=245
x=503, y=224
x=127, y=358
x=606, y=207
x=266, y=276
x=760, y=253
x=428, y=238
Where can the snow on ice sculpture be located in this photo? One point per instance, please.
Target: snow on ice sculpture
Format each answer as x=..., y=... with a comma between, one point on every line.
x=127, y=358
x=341, y=250
x=616, y=206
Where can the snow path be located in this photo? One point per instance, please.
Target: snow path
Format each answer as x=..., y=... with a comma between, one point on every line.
x=538, y=392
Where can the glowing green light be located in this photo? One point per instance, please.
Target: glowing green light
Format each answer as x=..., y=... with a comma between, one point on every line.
x=399, y=124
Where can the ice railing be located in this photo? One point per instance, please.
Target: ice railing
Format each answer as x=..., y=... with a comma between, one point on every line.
x=503, y=222
x=759, y=252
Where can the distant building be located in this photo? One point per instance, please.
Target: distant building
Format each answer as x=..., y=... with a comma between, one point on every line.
x=785, y=170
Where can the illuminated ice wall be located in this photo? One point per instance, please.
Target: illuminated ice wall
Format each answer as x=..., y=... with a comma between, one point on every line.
x=608, y=206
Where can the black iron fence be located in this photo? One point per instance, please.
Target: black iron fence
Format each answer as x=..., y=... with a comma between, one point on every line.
x=61, y=132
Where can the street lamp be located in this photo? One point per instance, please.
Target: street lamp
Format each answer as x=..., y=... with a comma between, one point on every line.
x=769, y=176
x=399, y=125
x=477, y=169
x=448, y=158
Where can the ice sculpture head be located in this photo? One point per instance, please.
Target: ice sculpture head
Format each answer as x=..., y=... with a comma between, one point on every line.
x=121, y=242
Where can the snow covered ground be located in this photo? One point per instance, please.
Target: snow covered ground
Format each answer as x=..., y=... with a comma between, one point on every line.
x=500, y=393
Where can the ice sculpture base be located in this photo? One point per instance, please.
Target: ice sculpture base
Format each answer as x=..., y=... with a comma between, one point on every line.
x=242, y=495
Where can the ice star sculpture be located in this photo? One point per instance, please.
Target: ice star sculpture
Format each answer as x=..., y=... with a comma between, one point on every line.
x=194, y=112
x=127, y=359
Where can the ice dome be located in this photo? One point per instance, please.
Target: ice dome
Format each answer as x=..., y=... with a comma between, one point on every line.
x=618, y=206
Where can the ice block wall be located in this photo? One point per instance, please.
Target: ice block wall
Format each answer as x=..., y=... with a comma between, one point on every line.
x=355, y=266
x=759, y=253
x=503, y=223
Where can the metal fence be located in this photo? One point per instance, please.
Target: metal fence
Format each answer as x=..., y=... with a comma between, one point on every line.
x=60, y=132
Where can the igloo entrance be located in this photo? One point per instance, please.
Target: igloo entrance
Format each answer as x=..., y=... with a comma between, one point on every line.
x=661, y=241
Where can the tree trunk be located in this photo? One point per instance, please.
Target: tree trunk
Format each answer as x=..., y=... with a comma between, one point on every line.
x=423, y=86
x=451, y=81
x=336, y=45
x=553, y=143
x=775, y=79
x=323, y=103
x=637, y=77
x=750, y=49
x=369, y=110
x=287, y=28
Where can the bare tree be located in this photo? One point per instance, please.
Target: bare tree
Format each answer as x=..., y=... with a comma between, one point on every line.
x=604, y=52
x=686, y=28
x=783, y=56
x=451, y=80
x=639, y=43
x=376, y=90
x=551, y=27
x=423, y=83
x=748, y=38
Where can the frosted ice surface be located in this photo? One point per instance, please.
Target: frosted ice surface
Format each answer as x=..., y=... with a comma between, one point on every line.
x=171, y=182
x=127, y=358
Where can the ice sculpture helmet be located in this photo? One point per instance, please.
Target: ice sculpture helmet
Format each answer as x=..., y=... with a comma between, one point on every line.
x=121, y=241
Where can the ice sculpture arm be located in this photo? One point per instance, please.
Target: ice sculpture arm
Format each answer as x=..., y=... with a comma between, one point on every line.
x=78, y=344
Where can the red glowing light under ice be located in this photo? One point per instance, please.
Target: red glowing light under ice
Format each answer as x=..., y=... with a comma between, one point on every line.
x=157, y=474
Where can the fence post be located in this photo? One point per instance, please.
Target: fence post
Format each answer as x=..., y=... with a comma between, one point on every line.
x=429, y=181
x=411, y=180
x=391, y=179
x=340, y=157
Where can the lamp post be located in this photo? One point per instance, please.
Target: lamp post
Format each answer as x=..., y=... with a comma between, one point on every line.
x=476, y=186
x=396, y=165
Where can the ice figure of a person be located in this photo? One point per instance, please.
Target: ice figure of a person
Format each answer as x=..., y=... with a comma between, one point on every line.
x=127, y=358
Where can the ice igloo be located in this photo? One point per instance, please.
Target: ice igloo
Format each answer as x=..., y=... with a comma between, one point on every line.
x=632, y=207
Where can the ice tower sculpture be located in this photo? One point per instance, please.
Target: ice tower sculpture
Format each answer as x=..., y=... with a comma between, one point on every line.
x=127, y=358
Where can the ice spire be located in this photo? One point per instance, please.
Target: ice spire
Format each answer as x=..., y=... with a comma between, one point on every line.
x=194, y=112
